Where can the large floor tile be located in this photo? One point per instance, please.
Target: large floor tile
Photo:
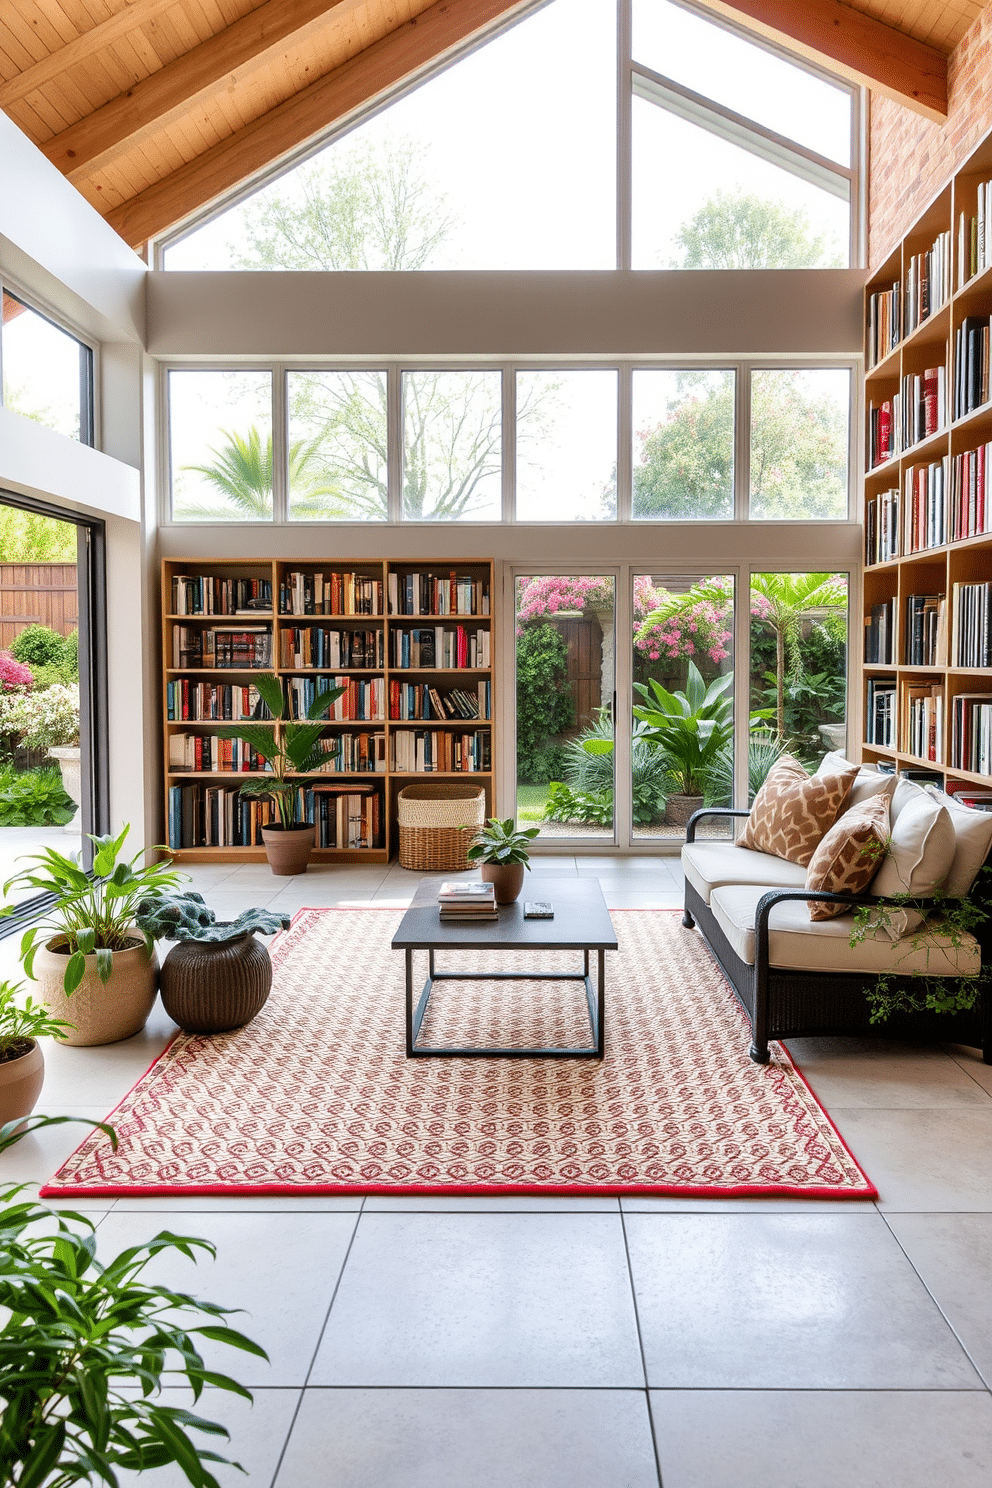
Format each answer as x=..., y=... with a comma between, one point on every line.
x=540, y=1300
x=464, y=1438
x=924, y=1159
x=638, y=1204
x=872, y=1072
x=953, y=1254
x=973, y=1064
x=812, y=1439
x=483, y=1204
x=786, y=1301
x=549, y=865
x=281, y=1269
x=644, y=869
x=257, y=1434
x=103, y=1074
x=622, y=896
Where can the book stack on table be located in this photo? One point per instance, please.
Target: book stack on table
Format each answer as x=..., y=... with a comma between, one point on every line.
x=469, y=900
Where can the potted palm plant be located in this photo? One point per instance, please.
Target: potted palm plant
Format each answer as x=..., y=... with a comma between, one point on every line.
x=22, y=1064
x=692, y=729
x=501, y=851
x=86, y=947
x=294, y=751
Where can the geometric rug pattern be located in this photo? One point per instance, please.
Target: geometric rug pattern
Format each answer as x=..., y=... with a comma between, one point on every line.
x=316, y=1095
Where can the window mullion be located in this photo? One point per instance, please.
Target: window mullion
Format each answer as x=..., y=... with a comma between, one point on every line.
x=625, y=447
x=625, y=109
x=509, y=442
x=280, y=445
x=394, y=443
x=742, y=442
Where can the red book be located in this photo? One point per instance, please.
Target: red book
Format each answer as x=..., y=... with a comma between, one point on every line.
x=980, y=503
x=198, y=753
x=884, y=432
x=930, y=412
x=462, y=647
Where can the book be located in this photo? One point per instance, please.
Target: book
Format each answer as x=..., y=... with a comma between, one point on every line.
x=538, y=909
x=472, y=891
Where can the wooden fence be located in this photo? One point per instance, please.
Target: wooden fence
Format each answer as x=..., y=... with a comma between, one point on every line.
x=37, y=594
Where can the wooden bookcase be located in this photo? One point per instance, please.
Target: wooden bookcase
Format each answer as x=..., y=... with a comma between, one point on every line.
x=942, y=530
x=412, y=634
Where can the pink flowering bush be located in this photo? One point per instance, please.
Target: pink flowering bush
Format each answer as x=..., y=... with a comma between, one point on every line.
x=549, y=594
x=13, y=676
x=697, y=625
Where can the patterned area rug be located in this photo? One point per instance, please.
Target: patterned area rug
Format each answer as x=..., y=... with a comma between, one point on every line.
x=317, y=1096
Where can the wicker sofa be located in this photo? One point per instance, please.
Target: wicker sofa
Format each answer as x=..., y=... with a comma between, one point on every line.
x=794, y=977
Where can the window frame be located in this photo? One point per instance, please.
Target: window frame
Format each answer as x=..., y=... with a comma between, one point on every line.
x=89, y=382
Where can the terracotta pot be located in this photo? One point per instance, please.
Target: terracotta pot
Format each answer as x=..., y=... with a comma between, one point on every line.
x=288, y=849
x=507, y=877
x=212, y=987
x=100, y=1012
x=678, y=809
x=21, y=1080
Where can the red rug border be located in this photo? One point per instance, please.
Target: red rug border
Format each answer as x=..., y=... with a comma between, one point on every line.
x=457, y=1191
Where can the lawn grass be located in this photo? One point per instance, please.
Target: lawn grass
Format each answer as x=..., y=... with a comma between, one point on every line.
x=531, y=802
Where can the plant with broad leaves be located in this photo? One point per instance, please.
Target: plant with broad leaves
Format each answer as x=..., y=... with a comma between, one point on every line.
x=294, y=753
x=22, y=1021
x=499, y=842
x=85, y=1348
x=186, y=917
x=691, y=728
x=92, y=914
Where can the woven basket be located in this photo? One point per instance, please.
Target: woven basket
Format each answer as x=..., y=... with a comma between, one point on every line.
x=431, y=818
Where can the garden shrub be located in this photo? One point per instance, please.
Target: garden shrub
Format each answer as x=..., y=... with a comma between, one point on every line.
x=39, y=645
x=13, y=676
x=544, y=699
x=593, y=771
x=34, y=798
x=43, y=720
x=565, y=805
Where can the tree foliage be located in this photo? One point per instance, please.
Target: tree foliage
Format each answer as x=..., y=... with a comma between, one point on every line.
x=740, y=230
x=29, y=537
x=241, y=474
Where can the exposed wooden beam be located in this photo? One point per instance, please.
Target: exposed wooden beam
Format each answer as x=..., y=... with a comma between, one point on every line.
x=412, y=46
x=853, y=44
x=135, y=13
x=219, y=64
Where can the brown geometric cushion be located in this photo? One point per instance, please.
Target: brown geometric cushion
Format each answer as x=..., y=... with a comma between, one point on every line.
x=793, y=809
x=850, y=854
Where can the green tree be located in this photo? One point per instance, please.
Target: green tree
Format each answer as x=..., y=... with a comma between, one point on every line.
x=241, y=473
x=684, y=468
x=29, y=537
x=740, y=230
x=545, y=707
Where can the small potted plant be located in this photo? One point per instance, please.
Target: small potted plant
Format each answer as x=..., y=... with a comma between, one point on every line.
x=85, y=947
x=501, y=851
x=294, y=750
x=22, y=1064
x=217, y=976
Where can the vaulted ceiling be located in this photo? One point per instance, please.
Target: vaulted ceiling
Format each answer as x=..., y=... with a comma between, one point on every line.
x=152, y=108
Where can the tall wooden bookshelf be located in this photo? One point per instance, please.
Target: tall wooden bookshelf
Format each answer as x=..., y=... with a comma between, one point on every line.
x=411, y=642
x=928, y=497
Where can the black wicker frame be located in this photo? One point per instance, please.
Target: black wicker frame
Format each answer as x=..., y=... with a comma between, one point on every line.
x=783, y=1003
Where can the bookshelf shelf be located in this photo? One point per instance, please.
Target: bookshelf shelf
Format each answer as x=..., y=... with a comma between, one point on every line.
x=206, y=821
x=928, y=501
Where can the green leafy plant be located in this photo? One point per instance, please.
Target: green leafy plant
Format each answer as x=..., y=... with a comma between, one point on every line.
x=186, y=917
x=501, y=842
x=85, y=1348
x=34, y=798
x=589, y=767
x=22, y=1021
x=565, y=805
x=763, y=749
x=38, y=645
x=691, y=728
x=293, y=752
x=92, y=915
x=544, y=699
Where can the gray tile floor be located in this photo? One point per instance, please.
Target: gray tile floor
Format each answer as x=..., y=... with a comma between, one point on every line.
x=549, y=1343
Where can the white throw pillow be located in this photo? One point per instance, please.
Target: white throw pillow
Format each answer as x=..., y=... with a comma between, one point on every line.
x=869, y=781
x=919, y=854
x=973, y=838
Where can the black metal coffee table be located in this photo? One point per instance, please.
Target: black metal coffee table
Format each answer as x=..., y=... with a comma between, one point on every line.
x=581, y=923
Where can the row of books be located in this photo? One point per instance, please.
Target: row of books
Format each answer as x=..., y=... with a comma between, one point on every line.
x=924, y=728
x=926, y=630
x=357, y=754
x=882, y=536
x=928, y=282
x=440, y=751
x=972, y=383
x=440, y=647
x=189, y=700
x=201, y=815
x=971, y=616
x=971, y=492
x=884, y=324
x=363, y=699
x=206, y=594
x=975, y=237
x=208, y=753
x=411, y=700
x=880, y=634
x=945, y=501
x=880, y=713
x=314, y=646
x=337, y=593
x=918, y=410
x=232, y=647
x=438, y=594
x=971, y=733
x=969, y=795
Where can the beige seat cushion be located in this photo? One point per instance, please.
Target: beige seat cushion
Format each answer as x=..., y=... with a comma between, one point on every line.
x=707, y=865
x=848, y=857
x=796, y=942
x=794, y=809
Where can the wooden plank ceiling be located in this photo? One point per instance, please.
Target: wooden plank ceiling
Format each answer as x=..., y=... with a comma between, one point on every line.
x=153, y=108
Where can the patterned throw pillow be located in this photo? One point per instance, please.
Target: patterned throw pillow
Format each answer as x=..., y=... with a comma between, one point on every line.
x=793, y=810
x=850, y=854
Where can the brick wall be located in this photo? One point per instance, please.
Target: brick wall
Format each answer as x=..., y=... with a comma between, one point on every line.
x=909, y=157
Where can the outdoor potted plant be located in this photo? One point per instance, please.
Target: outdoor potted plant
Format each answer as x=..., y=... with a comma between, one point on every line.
x=22, y=1064
x=94, y=968
x=49, y=719
x=692, y=729
x=294, y=750
x=501, y=852
x=217, y=976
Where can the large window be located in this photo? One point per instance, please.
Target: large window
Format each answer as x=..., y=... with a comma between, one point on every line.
x=47, y=372
x=220, y=445
x=742, y=157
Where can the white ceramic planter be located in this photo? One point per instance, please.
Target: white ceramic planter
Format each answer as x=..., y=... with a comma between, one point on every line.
x=68, y=762
x=100, y=1012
